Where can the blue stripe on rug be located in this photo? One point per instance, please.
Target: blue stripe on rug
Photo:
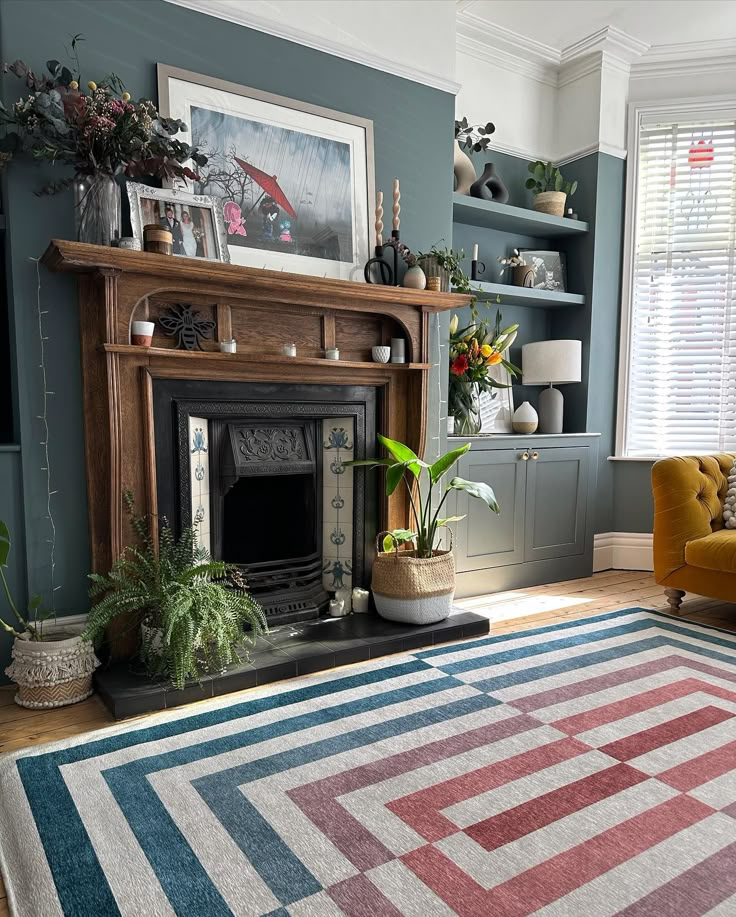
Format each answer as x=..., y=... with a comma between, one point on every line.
x=83, y=890
x=169, y=853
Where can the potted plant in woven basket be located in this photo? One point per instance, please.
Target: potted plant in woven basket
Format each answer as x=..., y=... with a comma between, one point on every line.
x=550, y=188
x=50, y=669
x=413, y=578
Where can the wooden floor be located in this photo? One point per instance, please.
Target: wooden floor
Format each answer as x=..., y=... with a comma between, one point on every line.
x=508, y=611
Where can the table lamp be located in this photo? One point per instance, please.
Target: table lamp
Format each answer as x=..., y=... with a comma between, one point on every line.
x=551, y=363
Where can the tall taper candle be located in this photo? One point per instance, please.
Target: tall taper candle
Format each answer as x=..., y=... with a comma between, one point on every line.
x=379, y=218
x=397, y=206
x=475, y=252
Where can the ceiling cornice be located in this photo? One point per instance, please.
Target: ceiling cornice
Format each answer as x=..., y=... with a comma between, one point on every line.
x=610, y=41
x=679, y=60
x=222, y=9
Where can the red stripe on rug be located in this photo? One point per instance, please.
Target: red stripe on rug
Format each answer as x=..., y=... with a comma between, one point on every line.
x=695, y=892
x=359, y=897
x=700, y=770
x=543, y=810
x=531, y=702
x=665, y=733
x=420, y=810
x=561, y=874
x=618, y=710
x=318, y=800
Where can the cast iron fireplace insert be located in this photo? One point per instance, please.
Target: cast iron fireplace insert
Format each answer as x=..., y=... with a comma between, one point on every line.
x=265, y=466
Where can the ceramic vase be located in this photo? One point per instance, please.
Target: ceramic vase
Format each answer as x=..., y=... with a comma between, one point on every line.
x=489, y=187
x=415, y=278
x=97, y=211
x=525, y=419
x=523, y=275
x=464, y=171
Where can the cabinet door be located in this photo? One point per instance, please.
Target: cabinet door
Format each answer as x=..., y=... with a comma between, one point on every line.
x=556, y=501
x=485, y=539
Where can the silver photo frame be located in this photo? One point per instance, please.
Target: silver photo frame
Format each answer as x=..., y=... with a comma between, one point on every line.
x=296, y=180
x=198, y=225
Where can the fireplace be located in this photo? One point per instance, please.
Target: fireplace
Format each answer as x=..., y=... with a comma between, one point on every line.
x=261, y=468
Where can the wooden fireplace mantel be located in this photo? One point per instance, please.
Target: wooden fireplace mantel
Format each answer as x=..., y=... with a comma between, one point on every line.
x=262, y=310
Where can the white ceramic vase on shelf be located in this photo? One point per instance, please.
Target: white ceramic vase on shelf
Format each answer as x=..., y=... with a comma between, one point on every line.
x=464, y=171
x=525, y=419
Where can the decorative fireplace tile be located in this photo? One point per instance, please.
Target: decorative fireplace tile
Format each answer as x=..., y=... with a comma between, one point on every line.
x=199, y=469
x=337, y=503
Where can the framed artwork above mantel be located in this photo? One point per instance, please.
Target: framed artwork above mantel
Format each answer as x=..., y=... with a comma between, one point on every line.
x=295, y=180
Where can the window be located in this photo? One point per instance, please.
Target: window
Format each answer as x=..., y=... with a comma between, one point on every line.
x=679, y=336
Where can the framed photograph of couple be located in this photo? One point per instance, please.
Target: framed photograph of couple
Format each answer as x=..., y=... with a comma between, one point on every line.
x=295, y=180
x=195, y=220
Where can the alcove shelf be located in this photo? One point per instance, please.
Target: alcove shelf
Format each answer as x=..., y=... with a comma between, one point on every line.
x=525, y=296
x=504, y=217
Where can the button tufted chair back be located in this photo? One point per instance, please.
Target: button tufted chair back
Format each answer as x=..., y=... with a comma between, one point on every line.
x=688, y=503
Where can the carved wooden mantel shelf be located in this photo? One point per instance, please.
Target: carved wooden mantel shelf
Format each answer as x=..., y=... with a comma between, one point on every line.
x=262, y=310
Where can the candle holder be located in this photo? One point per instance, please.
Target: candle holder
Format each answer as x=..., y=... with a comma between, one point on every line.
x=384, y=268
x=476, y=269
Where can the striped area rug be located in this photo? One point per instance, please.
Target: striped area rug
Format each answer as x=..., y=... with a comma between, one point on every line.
x=588, y=768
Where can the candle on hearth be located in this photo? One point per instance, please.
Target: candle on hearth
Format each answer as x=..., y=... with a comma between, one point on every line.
x=360, y=600
x=379, y=218
x=397, y=205
x=475, y=252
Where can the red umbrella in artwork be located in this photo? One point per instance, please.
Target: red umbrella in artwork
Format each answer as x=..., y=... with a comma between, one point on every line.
x=269, y=184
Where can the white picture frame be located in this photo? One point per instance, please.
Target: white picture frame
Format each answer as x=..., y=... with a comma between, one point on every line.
x=198, y=226
x=320, y=160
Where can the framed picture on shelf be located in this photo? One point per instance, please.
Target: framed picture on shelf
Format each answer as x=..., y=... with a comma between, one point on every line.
x=497, y=406
x=195, y=220
x=296, y=181
x=551, y=270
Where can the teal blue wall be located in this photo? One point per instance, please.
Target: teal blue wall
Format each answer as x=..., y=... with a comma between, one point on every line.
x=413, y=142
x=632, y=487
x=11, y=512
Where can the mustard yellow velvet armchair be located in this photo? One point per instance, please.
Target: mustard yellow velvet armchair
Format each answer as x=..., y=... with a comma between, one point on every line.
x=693, y=552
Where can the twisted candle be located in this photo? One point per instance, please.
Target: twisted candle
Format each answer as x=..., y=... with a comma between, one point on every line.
x=397, y=206
x=379, y=218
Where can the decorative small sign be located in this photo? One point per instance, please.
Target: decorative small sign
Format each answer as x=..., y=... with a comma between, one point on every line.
x=184, y=323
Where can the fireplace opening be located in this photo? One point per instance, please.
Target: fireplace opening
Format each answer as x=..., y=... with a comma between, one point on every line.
x=270, y=519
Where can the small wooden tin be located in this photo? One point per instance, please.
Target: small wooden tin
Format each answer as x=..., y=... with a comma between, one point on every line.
x=157, y=239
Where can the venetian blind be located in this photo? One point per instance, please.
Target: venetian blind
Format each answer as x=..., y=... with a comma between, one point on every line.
x=681, y=393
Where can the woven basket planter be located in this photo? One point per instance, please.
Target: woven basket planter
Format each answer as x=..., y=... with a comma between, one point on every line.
x=52, y=672
x=411, y=589
x=551, y=202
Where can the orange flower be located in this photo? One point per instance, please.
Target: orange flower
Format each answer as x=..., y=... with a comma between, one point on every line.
x=494, y=359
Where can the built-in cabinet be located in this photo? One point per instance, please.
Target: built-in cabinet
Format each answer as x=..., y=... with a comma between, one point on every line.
x=544, y=533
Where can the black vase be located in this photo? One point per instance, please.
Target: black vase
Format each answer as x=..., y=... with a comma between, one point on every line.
x=489, y=186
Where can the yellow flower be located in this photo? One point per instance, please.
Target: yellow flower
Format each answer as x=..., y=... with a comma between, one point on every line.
x=453, y=324
x=91, y=85
x=74, y=84
x=494, y=359
x=126, y=97
x=486, y=350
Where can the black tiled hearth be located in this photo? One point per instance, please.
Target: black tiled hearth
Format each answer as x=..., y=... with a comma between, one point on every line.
x=290, y=650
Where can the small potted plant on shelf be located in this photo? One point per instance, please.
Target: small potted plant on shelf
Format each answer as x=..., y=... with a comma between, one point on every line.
x=100, y=131
x=522, y=273
x=469, y=139
x=550, y=188
x=51, y=669
x=445, y=264
x=474, y=351
x=413, y=577
x=194, y=611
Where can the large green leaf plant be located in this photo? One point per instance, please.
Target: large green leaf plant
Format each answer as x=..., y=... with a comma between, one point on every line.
x=427, y=492
x=30, y=625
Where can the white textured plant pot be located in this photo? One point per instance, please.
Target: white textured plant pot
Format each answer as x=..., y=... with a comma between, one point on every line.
x=52, y=672
x=551, y=202
x=414, y=611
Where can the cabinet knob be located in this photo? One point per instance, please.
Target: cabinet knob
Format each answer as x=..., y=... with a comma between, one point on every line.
x=535, y=455
x=525, y=456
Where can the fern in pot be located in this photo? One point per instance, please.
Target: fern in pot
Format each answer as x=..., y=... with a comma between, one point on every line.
x=194, y=611
x=413, y=577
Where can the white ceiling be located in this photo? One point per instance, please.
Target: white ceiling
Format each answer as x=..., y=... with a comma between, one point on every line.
x=561, y=23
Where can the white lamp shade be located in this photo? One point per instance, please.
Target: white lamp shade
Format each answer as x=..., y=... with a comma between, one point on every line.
x=551, y=362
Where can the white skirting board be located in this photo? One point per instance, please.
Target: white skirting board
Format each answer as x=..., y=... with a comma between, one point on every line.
x=622, y=551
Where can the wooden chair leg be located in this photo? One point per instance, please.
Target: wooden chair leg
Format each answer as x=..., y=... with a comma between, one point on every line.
x=674, y=599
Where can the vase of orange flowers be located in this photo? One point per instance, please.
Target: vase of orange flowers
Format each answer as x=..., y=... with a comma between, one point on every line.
x=474, y=351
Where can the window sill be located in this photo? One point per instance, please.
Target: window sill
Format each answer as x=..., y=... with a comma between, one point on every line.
x=636, y=458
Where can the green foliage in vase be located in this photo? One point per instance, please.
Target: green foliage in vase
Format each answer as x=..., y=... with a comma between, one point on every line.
x=422, y=481
x=31, y=625
x=545, y=177
x=195, y=609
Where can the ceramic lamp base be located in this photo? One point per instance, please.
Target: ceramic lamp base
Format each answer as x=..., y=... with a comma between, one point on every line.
x=551, y=405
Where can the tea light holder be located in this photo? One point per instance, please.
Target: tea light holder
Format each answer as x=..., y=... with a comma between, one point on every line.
x=289, y=350
x=228, y=346
x=332, y=353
